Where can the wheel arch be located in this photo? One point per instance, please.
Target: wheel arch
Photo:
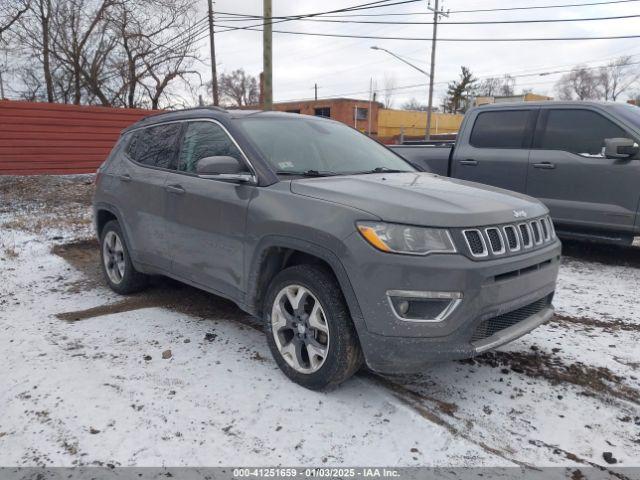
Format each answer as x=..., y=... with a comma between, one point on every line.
x=275, y=253
x=105, y=212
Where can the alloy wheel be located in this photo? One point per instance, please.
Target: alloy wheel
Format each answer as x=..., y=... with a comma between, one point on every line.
x=300, y=329
x=113, y=255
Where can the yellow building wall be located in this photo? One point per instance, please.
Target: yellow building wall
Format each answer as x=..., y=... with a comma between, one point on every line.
x=392, y=122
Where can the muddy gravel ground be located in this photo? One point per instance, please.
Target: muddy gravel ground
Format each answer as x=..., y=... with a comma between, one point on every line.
x=175, y=376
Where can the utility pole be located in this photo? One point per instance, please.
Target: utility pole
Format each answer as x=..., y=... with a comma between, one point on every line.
x=1, y=86
x=370, y=103
x=437, y=13
x=315, y=87
x=267, y=57
x=214, y=68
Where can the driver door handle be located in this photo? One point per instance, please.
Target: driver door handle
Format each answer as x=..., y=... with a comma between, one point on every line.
x=545, y=165
x=469, y=162
x=175, y=189
x=124, y=178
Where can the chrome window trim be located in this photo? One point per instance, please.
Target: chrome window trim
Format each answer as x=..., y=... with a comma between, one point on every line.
x=485, y=251
x=503, y=250
x=192, y=120
x=518, y=246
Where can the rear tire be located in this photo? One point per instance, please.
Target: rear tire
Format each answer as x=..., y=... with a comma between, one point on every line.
x=309, y=328
x=118, y=270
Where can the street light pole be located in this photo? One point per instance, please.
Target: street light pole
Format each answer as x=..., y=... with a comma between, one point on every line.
x=400, y=58
x=436, y=16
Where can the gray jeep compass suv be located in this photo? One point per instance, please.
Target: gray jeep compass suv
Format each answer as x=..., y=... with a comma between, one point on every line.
x=347, y=252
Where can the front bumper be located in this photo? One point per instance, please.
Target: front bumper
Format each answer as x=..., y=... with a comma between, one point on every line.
x=491, y=289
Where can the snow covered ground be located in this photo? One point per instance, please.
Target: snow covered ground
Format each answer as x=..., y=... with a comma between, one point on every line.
x=178, y=377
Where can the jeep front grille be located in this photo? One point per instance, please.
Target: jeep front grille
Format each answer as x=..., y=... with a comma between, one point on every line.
x=476, y=243
x=495, y=241
x=508, y=239
x=513, y=240
x=525, y=233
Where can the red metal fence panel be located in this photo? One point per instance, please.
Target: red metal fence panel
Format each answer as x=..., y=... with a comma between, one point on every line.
x=55, y=139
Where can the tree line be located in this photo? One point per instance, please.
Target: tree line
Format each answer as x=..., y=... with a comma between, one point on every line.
x=119, y=53
x=610, y=82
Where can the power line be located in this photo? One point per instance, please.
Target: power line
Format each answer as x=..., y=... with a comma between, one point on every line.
x=364, y=6
x=484, y=22
x=540, y=7
x=404, y=14
x=422, y=39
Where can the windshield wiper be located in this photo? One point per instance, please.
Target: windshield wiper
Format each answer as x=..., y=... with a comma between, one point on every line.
x=309, y=173
x=381, y=170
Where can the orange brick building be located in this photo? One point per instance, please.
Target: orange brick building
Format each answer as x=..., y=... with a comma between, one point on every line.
x=346, y=110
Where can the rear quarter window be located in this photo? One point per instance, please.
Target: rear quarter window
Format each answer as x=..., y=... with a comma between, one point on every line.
x=500, y=129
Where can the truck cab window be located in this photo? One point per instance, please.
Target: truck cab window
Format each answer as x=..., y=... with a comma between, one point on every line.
x=500, y=129
x=577, y=131
x=205, y=139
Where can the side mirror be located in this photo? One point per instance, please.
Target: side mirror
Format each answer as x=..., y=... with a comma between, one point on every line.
x=223, y=168
x=620, y=148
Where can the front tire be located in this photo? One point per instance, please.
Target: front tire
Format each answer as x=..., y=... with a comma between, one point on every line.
x=118, y=270
x=309, y=329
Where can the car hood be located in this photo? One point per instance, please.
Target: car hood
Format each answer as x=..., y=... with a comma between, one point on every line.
x=422, y=199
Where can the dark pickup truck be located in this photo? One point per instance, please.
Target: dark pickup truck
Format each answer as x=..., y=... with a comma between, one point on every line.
x=579, y=158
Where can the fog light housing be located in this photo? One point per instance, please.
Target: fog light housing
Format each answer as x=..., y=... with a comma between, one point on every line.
x=428, y=307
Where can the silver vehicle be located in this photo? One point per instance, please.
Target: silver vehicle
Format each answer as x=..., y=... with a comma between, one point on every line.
x=581, y=159
x=347, y=252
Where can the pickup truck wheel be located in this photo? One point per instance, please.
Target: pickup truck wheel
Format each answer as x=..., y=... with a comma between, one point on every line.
x=309, y=329
x=118, y=270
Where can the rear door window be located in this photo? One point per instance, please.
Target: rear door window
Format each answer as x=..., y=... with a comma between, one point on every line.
x=577, y=131
x=500, y=129
x=155, y=146
x=205, y=139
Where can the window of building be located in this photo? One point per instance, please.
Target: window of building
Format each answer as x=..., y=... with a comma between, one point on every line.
x=362, y=113
x=500, y=129
x=323, y=112
x=205, y=139
x=293, y=111
x=155, y=146
x=577, y=131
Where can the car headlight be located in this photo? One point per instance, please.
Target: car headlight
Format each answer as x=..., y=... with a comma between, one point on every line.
x=394, y=238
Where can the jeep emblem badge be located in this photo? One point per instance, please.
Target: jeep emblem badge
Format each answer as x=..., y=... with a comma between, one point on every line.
x=519, y=214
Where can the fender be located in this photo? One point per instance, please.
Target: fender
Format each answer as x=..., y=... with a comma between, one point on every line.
x=252, y=299
x=123, y=225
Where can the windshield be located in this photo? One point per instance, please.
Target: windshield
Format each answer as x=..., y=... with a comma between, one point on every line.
x=630, y=113
x=298, y=145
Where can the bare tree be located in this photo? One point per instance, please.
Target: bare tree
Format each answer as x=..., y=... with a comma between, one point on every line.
x=10, y=13
x=389, y=90
x=158, y=46
x=128, y=53
x=496, y=86
x=414, y=104
x=80, y=37
x=238, y=89
x=581, y=83
x=617, y=77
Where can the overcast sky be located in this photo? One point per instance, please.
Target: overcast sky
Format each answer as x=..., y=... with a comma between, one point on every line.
x=344, y=66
